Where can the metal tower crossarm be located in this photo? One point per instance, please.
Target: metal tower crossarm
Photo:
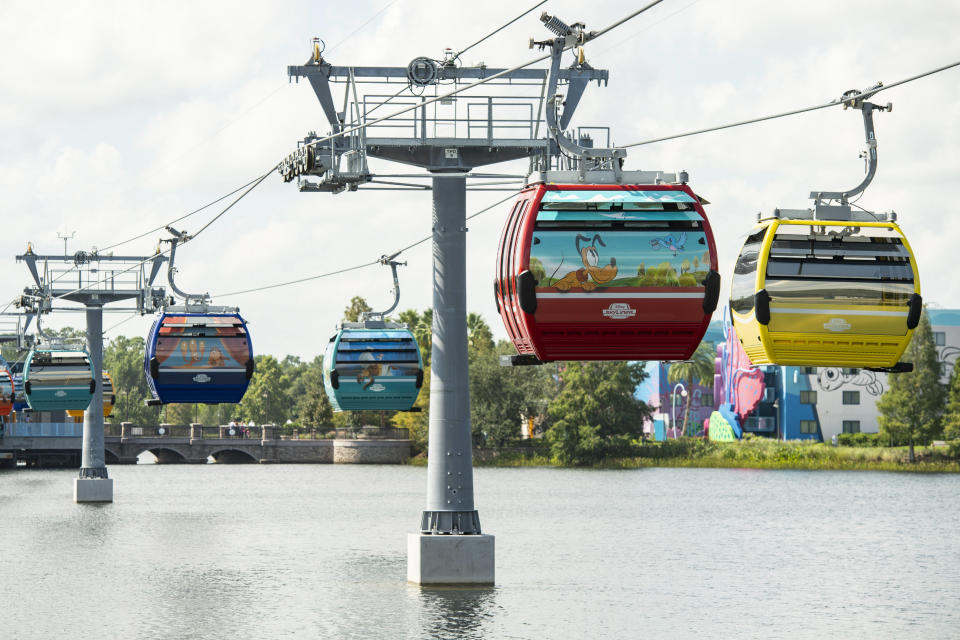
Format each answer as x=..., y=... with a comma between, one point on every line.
x=479, y=130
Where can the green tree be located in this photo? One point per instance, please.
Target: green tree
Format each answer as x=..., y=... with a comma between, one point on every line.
x=421, y=325
x=951, y=417
x=417, y=423
x=698, y=369
x=313, y=407
x=358, y=306
x=501, y=397
x=539, y=273
x=180, y=413
x=479, y=335
x=911, y=408
x=123, y=359
x=266, y=400
x=596, y=415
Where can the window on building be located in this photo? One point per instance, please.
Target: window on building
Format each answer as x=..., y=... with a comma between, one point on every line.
x=808, y=397
x=940, y=338
x=851, y=397
x=849, y=371
x=851, y=426
x=808, y=426
x=808, y=371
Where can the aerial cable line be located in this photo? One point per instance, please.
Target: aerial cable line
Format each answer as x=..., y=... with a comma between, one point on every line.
x=359, y=266
x=360, y=28
x=401, y=112
x=833, y=103
x=160, y=228
x=250, y=187
x=183, y=217
x=254, y=185
x=290, y=282
x=498, y=29
x=457, y=55
x=125, y=320
x=589, y=36
x=593, y=35
x=648, y=27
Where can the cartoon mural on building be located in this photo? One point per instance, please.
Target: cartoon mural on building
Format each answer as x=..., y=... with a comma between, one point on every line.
x=833, y=378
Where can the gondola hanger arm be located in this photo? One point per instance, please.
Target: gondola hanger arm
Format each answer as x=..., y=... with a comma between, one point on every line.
x=855, y=99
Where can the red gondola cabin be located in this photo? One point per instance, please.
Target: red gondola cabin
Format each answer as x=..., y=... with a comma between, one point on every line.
x=6, y=392
x=607, y=272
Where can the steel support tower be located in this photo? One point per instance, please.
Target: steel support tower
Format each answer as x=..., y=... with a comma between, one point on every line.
x=448, y=136
x=93, y=280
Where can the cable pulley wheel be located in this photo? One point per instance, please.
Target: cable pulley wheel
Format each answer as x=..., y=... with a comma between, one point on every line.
x=422, y=71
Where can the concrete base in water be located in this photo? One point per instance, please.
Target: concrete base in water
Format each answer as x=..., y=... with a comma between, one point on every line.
x=93, y=489
x=450, y=559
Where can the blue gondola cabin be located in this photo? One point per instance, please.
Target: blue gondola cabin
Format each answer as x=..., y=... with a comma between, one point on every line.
x=372, y=368
x=58, y=379
x=199, y=358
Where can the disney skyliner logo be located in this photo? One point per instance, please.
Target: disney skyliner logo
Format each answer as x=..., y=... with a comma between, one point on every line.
x=619, y=311
x=622, y=311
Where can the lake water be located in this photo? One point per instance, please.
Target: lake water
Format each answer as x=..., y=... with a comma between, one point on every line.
x=264, y=552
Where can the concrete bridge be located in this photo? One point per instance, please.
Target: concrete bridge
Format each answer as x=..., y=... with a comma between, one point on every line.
x=195, y=444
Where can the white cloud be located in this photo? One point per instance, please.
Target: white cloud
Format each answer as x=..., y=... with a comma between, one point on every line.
x=120, y=116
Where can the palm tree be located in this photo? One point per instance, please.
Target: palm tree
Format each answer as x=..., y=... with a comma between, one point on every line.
x=480, y=337
x=699, y=368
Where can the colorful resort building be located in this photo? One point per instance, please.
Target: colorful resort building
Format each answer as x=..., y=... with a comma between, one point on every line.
x=787, y=403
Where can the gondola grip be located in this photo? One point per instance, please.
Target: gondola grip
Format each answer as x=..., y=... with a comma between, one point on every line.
x=334, y=379
x=419, y=378
x=251, y=366
x=916, y=308
x=526, y=291
x=27, y=387
x=712, y=293
x=154, y=368
x=762, y=304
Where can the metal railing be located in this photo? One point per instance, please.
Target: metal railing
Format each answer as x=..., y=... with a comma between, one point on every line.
x=43, y=429
x=194, y=431
x=486, y=118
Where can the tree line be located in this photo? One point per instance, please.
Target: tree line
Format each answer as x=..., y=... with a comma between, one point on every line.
x=585, y=410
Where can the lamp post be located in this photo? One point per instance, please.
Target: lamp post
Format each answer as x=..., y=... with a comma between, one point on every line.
x=673, y=405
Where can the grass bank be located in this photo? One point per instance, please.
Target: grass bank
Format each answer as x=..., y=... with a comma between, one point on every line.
x=750, y=454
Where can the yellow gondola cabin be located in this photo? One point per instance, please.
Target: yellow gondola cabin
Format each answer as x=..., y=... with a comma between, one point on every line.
x=829, y=293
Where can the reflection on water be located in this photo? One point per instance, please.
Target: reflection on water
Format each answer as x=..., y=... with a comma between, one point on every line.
x=456, y=612
x=319, y=551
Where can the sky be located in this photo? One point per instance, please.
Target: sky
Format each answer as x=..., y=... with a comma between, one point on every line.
x=117, y=117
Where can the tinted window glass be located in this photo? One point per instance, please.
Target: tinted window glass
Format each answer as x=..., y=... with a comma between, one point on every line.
x=744, y=284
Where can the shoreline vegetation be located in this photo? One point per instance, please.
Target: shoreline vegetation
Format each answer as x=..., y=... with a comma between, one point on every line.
x=746, y=454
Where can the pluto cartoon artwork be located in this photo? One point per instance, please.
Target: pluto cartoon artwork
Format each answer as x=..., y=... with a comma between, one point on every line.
x=591, y=274
x=569, y=262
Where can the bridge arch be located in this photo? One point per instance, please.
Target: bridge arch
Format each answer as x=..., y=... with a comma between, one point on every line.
x=165, y=455
x=233, y=456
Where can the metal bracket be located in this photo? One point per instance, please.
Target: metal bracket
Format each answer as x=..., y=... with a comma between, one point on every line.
x=199, y=300
x=900, y=367
x=368, y=316
x=855, y=99
x=570, y=36
x=522, y=360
